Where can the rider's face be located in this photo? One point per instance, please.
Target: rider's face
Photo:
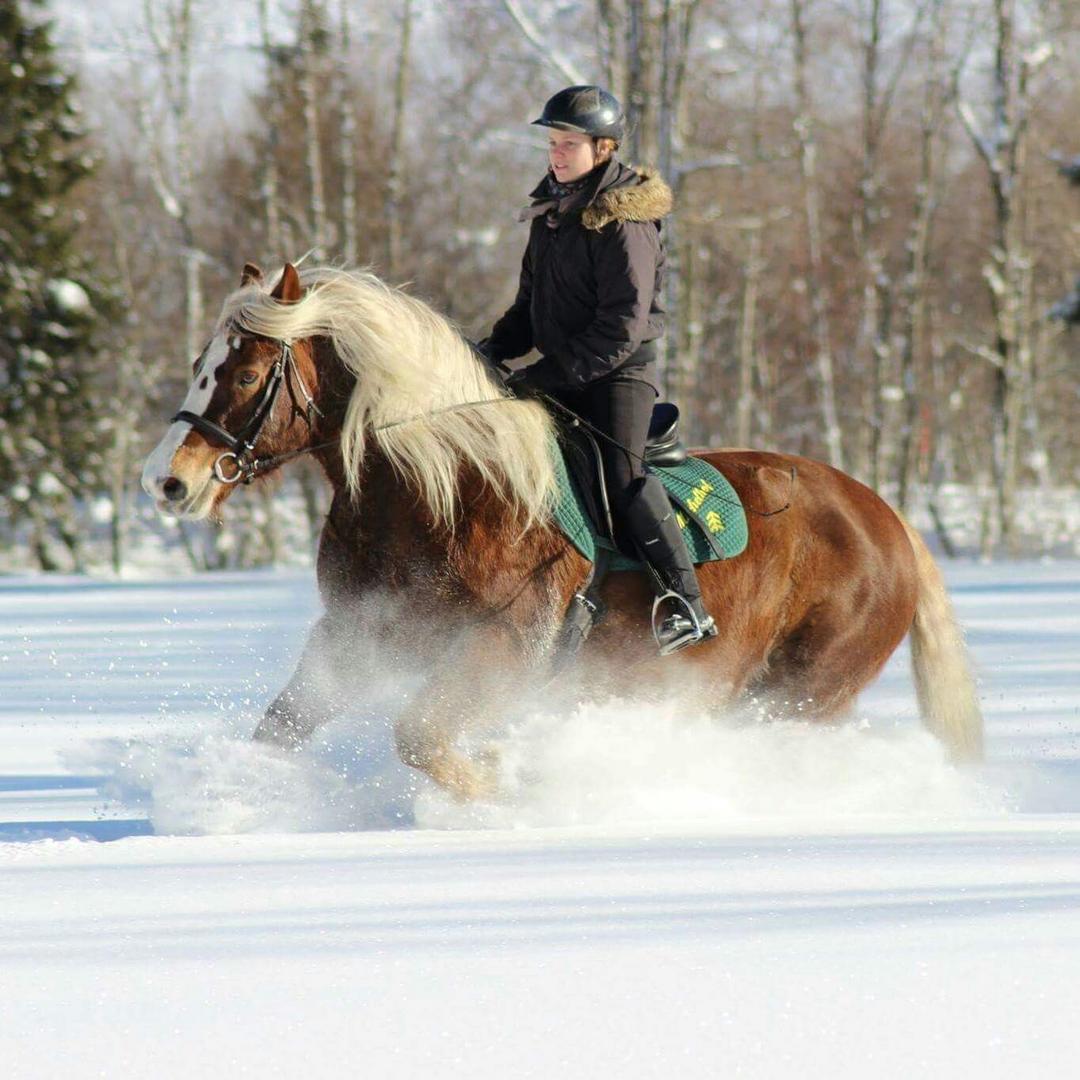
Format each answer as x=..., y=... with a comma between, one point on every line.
x=571, y=155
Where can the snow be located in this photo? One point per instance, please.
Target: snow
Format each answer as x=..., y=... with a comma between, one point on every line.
x=49, y=485
x=655, y=895
x=101, y=510
x=69, y=296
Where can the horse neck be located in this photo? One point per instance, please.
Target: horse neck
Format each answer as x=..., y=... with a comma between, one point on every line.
x=386, y=505
x=333, y=387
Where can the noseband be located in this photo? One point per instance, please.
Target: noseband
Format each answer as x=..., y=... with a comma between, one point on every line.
x=242, y=444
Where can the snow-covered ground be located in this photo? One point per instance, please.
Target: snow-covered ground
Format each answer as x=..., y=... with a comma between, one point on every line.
x=655, y=896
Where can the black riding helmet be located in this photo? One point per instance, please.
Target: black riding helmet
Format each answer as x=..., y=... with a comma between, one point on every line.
x=589, y=110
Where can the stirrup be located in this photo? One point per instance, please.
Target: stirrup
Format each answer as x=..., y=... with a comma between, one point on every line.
x=682, y=627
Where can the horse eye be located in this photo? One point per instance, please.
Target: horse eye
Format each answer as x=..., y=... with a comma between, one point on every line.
x=248, y=377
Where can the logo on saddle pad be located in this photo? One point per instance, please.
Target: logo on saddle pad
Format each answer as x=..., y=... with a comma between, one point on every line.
x=716, y=530
x=712, y=518
x=697, y=496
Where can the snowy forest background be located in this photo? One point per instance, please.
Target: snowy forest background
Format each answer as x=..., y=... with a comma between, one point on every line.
x=874, y=259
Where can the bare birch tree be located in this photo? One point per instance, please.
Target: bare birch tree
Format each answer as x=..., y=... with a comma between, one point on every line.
x=874, y=353
x=754, y=374
x=937, y=94
x=1001, y=143
x=609, y=33
x=816, y=288
x=170, y=144
x=396, y=166
x=347, y=140
x=748, y=334
x=311, y=50
x=270, y=181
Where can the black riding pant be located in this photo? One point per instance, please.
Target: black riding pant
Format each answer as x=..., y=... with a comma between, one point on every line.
x=621, y=407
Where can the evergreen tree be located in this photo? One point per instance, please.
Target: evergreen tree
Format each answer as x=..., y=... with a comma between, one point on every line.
x=51, y=311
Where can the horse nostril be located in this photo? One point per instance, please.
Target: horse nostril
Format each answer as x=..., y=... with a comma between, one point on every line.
x=174, y=490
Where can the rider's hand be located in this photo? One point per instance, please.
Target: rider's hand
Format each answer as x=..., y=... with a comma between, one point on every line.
x=539, y=378
x=519, y=385
x=483, y=347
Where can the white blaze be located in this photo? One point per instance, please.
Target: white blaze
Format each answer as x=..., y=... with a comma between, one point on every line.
x=158, y=465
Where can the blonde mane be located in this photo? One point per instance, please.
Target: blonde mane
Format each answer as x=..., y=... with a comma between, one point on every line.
x=410, y=361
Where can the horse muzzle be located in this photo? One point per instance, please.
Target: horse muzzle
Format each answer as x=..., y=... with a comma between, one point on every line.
x=175, y=495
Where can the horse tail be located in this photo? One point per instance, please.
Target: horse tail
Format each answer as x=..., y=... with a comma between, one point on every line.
x=943, y=680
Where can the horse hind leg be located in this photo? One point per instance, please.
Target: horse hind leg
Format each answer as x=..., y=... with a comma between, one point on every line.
x=819, y=669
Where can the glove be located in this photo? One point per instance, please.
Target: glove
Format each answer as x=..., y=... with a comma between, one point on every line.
x=538, y=378
x=517, y=382
x=482, y=348
x=494, y=367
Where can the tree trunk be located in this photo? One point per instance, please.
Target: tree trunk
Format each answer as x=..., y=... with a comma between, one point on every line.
x=868, y=353
x=748, y=339
x=917, y=247
x=396, y=164
x=312, y=150
x=608, y=35
x=270, y=186
x=1003, y=149
x=815, y=283
x=171, y=148
x=347, y=145
x=634, y=101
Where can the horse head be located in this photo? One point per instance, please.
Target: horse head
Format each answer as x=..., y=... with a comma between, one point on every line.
x=248, y=406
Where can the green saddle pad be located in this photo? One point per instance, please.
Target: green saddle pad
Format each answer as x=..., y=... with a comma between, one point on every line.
x=703, y=489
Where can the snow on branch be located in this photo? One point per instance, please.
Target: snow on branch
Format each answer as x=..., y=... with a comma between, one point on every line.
x=716, y=161
x=1035, y=57
x=984, y=146
x=559, y=62
x=982, y=352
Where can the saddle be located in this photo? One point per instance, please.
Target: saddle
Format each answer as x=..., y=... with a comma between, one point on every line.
x=706, y=506
x=585, y=462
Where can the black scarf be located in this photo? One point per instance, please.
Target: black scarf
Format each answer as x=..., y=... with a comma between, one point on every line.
x=554, y=199
x=561, y=191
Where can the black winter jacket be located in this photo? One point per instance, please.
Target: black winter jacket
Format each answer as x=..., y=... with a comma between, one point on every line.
x=591, y=279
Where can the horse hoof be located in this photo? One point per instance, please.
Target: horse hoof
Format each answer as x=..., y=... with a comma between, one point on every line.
x=467, y=779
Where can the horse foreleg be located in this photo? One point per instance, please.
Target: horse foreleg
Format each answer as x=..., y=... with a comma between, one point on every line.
x=314, y=695
x=470, y=688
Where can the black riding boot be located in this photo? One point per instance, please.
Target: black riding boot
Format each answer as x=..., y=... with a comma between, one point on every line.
x=658, y=536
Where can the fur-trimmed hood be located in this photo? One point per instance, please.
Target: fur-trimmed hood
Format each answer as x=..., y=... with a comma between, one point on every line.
x=642, y=196
x=616, y=192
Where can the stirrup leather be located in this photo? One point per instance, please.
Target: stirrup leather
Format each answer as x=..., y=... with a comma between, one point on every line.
x=680, y=628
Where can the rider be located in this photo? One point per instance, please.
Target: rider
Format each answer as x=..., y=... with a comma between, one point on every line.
x=589, y=302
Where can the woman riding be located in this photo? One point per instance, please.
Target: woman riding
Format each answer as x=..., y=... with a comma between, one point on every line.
x=589, y=302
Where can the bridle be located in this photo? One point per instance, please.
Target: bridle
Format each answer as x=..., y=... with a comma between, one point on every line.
x=242, y=444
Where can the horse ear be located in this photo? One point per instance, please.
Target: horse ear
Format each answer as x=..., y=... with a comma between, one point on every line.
x=287, y=290
x=250, y=275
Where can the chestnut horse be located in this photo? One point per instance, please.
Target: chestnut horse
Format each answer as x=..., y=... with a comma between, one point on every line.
x=439, y=546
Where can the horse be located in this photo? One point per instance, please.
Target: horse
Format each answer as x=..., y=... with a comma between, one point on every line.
x=443, y=484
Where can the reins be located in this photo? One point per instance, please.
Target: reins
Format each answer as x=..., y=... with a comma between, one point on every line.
x=594, y=430
x=248, y=468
